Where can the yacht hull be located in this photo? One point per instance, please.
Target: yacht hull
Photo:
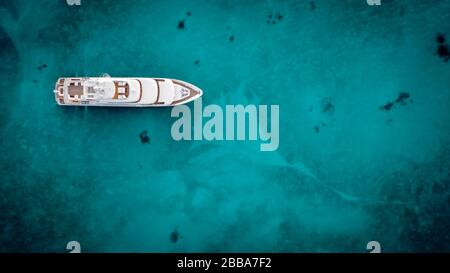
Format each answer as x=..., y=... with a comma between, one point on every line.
x=124, y=92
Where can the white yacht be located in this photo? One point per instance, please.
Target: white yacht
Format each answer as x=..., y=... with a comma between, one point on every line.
x=124, y=92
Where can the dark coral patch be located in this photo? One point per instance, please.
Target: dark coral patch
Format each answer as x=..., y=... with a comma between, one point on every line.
x=327, y=106
x=272, y=19
x=387, y=107
x=145, y=139
x=440, y=38
x=174, y=236
x=181, y=24
x=402, y=98
x=442, y=51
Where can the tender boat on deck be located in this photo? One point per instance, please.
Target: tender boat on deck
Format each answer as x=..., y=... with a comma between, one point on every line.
x=124, y=92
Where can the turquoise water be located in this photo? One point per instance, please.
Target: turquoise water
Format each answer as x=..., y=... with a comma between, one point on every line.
x=350, y=167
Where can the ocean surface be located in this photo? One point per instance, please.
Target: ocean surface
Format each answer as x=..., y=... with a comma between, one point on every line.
x=364, y=99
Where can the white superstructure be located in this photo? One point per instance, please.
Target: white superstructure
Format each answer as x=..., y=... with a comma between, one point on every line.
x=124, y=92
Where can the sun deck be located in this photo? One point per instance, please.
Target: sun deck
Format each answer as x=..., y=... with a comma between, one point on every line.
x=108, y=91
